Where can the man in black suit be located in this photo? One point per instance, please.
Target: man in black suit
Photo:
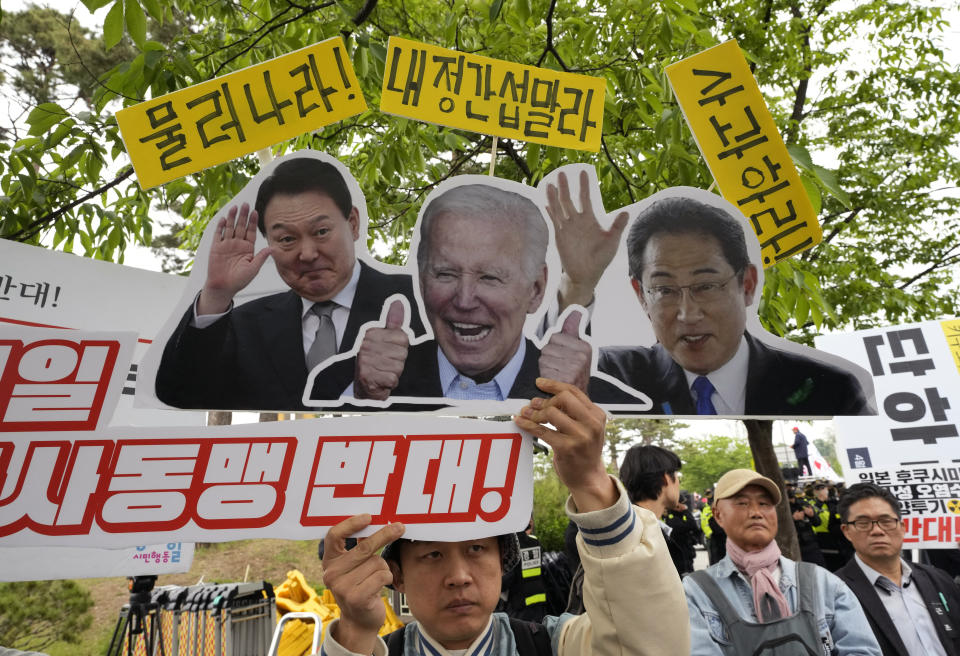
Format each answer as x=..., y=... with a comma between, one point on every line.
x=690, y=269
x=914, y=610
x=256, y=356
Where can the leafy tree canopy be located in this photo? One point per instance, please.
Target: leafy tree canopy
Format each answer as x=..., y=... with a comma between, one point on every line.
x=874, y=131
x=706, y=459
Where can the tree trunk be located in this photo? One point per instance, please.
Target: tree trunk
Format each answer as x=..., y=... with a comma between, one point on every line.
x=219, y=418
x=760, y=434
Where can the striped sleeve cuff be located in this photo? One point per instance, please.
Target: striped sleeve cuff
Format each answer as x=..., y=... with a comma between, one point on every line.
x=609, y=529
x=330, y=647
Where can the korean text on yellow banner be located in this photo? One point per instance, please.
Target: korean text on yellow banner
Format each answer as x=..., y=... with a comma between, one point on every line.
x=951, y=329
x=219, y=120
x=492, y=96
x=743, y=148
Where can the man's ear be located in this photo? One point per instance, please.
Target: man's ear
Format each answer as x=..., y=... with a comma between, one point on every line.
x=718, y=514
x=354, y=221
x=750, y=278
x=539, y=287
x=845, y=529
x=397, y=575
x=638, y=290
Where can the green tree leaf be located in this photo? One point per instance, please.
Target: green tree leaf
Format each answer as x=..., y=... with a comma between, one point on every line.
x=113, y=25
x=136, y=22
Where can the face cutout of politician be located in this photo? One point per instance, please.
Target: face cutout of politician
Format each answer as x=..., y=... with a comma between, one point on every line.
x=481, y=261
x=690, y=269
x=482, y=270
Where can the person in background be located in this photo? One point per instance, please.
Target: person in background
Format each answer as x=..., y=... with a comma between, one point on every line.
x=914, y=610
x=755, y=601
x=833, y=546
x=799, y=447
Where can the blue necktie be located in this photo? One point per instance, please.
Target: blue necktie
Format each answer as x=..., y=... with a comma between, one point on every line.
x=704, y=389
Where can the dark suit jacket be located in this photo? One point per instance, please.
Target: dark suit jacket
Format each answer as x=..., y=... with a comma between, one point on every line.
x=778, y=382
x=931, y=582
x=252, y=358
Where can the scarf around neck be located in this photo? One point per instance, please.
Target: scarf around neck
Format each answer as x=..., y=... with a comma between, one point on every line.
x=759, y=567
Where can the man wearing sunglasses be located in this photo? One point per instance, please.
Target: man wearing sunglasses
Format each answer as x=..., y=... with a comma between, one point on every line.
x=914, y=610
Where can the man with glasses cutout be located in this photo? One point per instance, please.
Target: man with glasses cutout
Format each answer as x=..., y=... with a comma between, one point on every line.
x=691, y=271
x=914, y=610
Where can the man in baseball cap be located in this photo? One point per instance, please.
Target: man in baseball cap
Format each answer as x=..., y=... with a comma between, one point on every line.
x=756, y=601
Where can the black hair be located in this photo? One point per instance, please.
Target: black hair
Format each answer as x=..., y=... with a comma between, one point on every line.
x=643, y=469
x=861, y=491
x=299, y=175
x=684, y=215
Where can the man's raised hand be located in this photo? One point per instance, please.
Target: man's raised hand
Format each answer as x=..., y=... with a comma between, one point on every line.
x=356, y=578
x=586, y=248
x=566, y=357
x=576, y=439
x=232, y=263
x=382, y=355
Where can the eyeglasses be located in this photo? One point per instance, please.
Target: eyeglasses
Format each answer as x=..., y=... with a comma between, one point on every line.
x=864, y=524
x=701, y=292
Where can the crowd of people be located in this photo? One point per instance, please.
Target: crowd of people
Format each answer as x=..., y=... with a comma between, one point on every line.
x=636, y=589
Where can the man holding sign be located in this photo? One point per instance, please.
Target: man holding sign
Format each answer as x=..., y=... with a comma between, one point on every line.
x=453, y=587
x=257, y=355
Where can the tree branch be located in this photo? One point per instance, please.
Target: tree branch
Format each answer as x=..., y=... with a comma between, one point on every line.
x=944, y=261
x=507, y=146
x=37, y=224
x=616, y=167
x=549, y=48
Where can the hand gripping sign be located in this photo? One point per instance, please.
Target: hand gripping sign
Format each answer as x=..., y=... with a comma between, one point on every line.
x=444, y=478
x=743, y=148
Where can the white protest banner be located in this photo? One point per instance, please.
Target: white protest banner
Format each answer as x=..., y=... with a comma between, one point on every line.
x=50, y=563
x=912, y=447
x=60, y=380
x=49, y=289
x=444, y=478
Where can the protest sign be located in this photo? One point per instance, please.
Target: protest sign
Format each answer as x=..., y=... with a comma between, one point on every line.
x=55, y=380
x=50, y=563
x=492, y=96
x=476, y=315
x=912, y=447
x=215, y=121
x=743, y=148
x=49, y=289
x=445, y=479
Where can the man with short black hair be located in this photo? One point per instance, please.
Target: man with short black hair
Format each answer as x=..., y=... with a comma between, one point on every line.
x=649, y=473
x=914, y=610
x=453, y=587
x=691, y=272
x=256, y=355
x=755, y=601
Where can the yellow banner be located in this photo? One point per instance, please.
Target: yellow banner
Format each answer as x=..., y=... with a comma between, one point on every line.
x=740, y=142
x=951, y=329
x=219, y=120
x=492, y=96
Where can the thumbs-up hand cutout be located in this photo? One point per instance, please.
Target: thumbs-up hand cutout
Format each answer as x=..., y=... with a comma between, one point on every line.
x=382, y=354
x=566, y=357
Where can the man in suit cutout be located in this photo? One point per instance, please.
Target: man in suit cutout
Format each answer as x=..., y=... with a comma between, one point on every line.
x=690, y=269
x=914, y=610
x=481, y=261
x=255, y=356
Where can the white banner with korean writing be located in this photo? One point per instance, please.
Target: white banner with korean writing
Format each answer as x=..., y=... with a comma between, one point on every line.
x=912, y=447
x=444, y=478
